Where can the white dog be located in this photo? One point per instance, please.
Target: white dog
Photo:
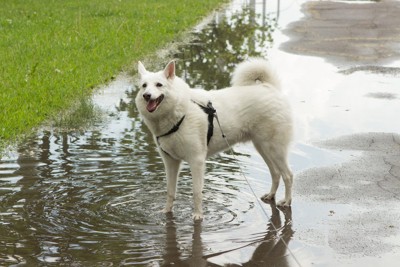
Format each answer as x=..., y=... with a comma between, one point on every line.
x=182, y=121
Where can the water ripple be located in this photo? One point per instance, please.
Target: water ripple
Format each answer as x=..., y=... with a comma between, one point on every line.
x=69, y=194
x=94, y=197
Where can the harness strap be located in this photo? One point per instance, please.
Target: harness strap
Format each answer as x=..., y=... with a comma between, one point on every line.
x=210, y=111
x=173, y=129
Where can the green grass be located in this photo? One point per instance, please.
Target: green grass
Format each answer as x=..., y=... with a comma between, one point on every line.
x=54, y=52
x=84, y=114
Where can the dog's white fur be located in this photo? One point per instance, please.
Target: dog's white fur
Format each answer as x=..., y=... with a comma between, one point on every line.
x=253, y=109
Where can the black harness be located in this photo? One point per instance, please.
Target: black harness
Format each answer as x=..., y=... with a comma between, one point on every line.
x=173, y=129
x=209, y=110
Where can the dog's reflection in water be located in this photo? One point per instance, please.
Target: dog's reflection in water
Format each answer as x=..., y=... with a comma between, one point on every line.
x=271, y=249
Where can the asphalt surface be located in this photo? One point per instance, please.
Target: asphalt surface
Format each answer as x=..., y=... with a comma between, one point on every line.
x=361, y=40
x=369, y=183
x=351, y=32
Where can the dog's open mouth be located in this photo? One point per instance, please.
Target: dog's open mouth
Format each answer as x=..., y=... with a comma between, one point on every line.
x=153, y=104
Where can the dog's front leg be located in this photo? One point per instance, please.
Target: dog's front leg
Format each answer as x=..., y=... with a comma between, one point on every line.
x=172, y=167
x=197, y=168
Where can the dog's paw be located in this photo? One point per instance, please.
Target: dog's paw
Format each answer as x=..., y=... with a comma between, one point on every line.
x=197, y=216
x=166, y=210
x=268, y=197
x=285, y=203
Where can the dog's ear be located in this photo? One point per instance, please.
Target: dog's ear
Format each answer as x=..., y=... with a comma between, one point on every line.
x=142, y=70
x=169, y=70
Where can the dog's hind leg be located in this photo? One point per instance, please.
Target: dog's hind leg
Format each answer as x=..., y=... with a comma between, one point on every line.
x=287, y=176
x=275, y=174
x=279, y=158
x=172, y=168
x=275, y=155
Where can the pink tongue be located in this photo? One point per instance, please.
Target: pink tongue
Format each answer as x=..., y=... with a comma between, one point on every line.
x=151, y=105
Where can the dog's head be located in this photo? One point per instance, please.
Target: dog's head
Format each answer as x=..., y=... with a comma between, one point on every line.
x=154, y=87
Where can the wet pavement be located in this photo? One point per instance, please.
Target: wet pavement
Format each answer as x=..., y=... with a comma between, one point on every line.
x=351, y=32
x=90, y=197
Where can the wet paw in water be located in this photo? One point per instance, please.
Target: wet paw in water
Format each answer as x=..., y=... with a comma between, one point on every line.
x=284, y=203
x=268, y=197
x=197, y=216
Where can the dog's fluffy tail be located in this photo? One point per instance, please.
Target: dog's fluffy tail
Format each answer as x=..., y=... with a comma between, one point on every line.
x=253, y=71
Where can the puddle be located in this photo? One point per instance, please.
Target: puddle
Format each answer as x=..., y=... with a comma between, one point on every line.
x=347, y=32
x=93, y=197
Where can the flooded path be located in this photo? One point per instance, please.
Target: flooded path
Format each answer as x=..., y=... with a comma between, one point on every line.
x=92, y=197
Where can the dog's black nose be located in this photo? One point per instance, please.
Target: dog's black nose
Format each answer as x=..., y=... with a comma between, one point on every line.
x=146, y=96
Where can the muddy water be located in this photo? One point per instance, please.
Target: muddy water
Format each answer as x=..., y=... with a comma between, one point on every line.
x=92, y=197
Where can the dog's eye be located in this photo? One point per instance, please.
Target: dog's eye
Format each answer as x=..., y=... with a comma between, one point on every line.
x=144, y=85
x=159, y=84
